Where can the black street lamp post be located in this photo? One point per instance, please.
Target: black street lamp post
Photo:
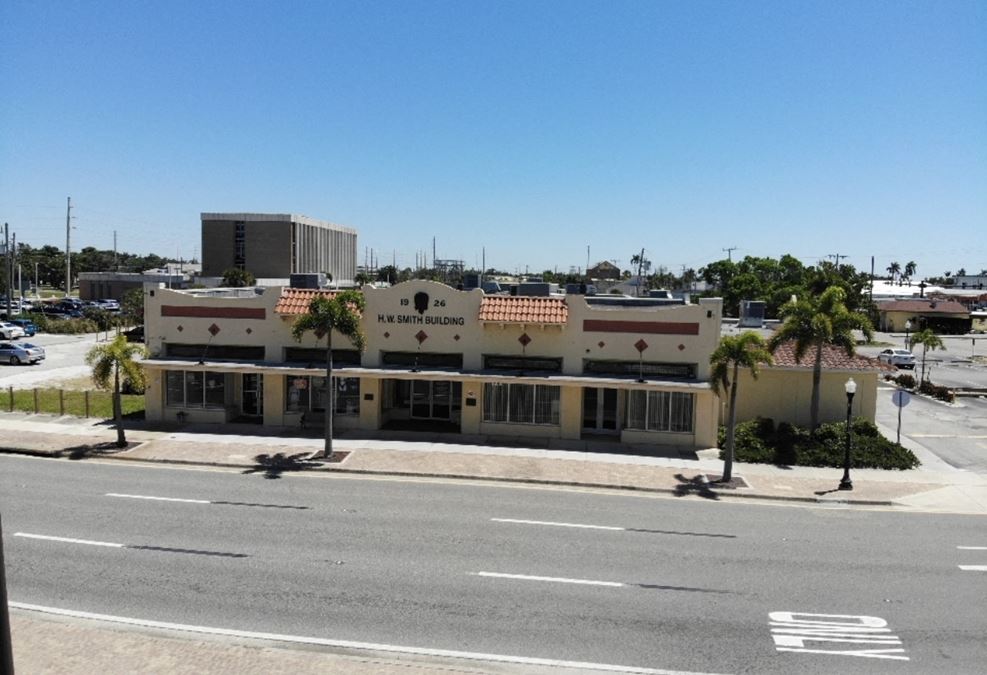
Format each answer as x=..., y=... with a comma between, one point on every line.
x=851, y=388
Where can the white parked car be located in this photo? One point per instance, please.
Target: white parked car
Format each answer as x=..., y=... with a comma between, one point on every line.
x=900, y=358
x=22, y=352
x=9, y=331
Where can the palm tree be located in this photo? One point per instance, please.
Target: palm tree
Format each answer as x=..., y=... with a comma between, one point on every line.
x=910, y=268
x=746, y=350
x=339, y=313
x=928, y=340
x=894, y=269
x=116, y=358
x=815, y=322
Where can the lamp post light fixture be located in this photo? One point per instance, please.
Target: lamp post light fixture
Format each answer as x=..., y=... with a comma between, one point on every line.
x=908, y=327
x=851, y=388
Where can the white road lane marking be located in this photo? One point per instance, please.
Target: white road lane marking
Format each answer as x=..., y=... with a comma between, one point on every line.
x=793, y=631
x=559, y=580
x=69, y=540
x=348, y=644
x=553, y=524
x=974, y=568
x=972, y=548
x=160, y=499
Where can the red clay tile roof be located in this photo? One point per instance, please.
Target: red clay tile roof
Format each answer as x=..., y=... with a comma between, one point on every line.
x=295, y=300
x=923, y=306
x=833, y=358
x=507, y=309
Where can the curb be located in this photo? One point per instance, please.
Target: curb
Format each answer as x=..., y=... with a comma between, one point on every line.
x=533, y=481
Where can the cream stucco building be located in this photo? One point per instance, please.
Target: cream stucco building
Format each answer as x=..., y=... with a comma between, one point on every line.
x=438, y=359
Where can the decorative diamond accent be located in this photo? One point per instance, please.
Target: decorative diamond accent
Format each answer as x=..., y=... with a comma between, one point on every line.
x=640, y=345
x=524, y=340
x=180, y=328
x=601, y=344
x=249, y=330
x=456, y=337
x=213, y=329
x=421, y=336
x=386, y=334
x=681, y=347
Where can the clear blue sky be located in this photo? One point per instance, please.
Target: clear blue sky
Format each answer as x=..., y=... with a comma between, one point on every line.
x=533, y=129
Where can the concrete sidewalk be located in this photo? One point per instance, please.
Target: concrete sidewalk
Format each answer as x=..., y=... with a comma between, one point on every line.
x=935, y=487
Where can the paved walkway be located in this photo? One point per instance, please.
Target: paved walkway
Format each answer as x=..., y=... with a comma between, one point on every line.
x=933, y=487
x=45, y=643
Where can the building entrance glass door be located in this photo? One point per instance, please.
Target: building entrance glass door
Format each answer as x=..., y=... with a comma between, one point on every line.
x=600, y=410
x=252, y=395
x=434, y=400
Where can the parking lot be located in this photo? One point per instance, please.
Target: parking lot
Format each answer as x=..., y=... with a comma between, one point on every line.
x=64, y=361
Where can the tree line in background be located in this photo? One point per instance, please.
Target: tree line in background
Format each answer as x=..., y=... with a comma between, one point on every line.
x=48, y=262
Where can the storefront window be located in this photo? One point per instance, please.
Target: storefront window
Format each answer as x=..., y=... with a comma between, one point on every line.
x=195, y=389
x=308, y=393
x=175, y=386
x=660, y=411
x=521, y=403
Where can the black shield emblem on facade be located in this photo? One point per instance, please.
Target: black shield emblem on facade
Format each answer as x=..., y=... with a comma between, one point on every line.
x=421, y=302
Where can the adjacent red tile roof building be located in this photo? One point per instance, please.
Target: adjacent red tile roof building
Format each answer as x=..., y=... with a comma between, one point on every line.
x=833, y=358
x=295, y=300
x=507, y=309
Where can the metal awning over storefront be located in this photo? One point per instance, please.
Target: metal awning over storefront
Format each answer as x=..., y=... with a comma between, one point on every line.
x=288, y=369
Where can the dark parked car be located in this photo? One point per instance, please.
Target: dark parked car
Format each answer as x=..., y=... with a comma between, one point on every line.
x=135, y=334
x=29, y=328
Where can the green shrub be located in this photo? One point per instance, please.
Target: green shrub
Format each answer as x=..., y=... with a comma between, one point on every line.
x=904, y=380
x=103, y=319
x=46, y=324
x=757, y=441
x=937, y=391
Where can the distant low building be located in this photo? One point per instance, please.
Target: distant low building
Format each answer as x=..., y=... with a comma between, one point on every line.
x=942, y=316
x=114, y=285
x=604, y=270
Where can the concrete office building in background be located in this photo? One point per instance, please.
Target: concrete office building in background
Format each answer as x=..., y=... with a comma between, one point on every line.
x=276, y=245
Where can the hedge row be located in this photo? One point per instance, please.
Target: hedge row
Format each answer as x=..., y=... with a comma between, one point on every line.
x=760, y=442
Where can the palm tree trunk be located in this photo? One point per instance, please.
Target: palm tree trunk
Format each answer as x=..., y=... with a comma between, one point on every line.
x=327, y=448
x=731, y=426
x=925, y=348
x=816, y=380
x=118, y=408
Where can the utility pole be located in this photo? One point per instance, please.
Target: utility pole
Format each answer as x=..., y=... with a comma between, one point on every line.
x=837, y=256
x=729, y=252
x=116, y=266
x=68, y=249
x=6, y=251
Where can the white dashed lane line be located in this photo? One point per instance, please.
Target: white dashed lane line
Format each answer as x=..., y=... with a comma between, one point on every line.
x=972, y=568
x=69, y=540
x=132, y=547
x=213, y=502
x=558, y=580
x=553, y=524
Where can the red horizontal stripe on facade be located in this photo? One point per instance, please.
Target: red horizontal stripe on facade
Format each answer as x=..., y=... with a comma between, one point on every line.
x=650, y=327
x=214, y=312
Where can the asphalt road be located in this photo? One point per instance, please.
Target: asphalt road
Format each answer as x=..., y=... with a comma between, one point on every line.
x=679, y=584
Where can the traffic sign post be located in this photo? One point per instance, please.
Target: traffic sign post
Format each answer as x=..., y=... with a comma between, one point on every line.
x=900, y=398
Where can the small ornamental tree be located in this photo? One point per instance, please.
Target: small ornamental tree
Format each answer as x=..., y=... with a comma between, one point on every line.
x=235, y=277
x=117, y=361
x=339, y=313
x=814, y=322
x=928, y=340
x=747, y=350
